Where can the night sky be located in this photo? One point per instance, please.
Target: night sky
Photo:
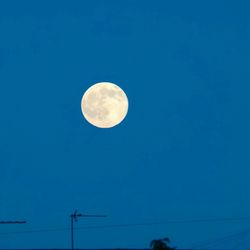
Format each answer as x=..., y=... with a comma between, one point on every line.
x=181, y=153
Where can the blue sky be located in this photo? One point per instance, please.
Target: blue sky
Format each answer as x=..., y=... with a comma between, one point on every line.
x=181, y=153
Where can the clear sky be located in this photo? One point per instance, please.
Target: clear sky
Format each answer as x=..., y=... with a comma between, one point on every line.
x=181, y=153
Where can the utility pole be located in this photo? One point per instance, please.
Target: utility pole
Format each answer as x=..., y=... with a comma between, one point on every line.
x=74, y=218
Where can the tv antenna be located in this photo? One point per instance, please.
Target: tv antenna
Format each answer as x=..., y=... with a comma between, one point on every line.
x=74, y=218
x=12, y=222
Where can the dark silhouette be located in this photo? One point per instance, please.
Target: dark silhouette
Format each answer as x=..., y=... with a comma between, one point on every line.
x=161, y=244
x=74, y=218
x=13, y=222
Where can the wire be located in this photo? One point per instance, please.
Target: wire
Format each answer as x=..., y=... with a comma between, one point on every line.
x=130, y=225
x=237, y=238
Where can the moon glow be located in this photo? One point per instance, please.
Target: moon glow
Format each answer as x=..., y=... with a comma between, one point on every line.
x=104, y=105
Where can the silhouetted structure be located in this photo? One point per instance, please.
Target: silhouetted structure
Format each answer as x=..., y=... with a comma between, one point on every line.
x=74, y=217
x=13, y=222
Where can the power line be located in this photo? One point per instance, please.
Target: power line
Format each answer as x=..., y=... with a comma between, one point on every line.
x=236, y=239
x=130, y=225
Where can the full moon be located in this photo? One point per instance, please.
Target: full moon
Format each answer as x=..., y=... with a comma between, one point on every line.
x=104, y=105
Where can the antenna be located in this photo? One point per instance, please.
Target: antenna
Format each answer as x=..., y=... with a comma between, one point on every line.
x=74, y=218
x=13, y=222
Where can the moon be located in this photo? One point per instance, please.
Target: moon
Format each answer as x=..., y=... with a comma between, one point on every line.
x=104, y=105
